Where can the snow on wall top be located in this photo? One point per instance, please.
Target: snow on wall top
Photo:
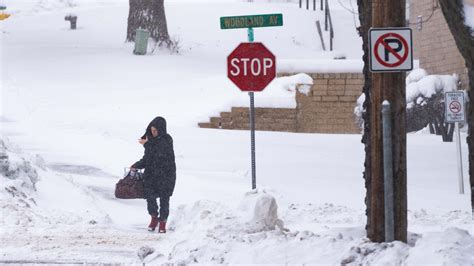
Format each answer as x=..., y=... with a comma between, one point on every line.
x=279, y=94
x=320, y=66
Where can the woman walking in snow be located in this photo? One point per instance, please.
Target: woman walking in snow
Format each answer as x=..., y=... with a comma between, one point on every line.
x=159, y=177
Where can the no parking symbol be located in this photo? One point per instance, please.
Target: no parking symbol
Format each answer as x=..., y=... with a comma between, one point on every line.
x=390, y=49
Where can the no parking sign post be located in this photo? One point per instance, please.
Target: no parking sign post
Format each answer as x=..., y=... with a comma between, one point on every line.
x=454, y=113
x=390, y=52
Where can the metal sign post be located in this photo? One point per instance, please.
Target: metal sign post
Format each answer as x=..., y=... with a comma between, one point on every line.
x=454, y=103
x=252, y=125
x=459, y=158
x=388, y=173
x=251, y=66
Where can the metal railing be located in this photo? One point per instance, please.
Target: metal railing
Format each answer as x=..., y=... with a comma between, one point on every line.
x=314, y=4
x=327, y=19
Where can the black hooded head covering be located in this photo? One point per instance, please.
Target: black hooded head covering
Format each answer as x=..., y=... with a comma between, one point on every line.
x=160, y=124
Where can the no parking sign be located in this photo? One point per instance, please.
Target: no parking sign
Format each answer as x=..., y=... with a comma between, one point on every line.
x=390, y=49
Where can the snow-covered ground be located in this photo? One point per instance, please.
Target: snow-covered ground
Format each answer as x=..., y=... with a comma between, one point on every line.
x=75, y=102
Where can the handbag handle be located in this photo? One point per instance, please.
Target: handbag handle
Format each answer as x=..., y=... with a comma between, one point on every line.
x=127, y=171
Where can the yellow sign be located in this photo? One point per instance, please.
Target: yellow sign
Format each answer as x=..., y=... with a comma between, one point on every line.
x=4, y=16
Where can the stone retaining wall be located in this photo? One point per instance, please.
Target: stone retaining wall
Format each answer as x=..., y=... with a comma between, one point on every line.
x=266, y=119
x=328, y=108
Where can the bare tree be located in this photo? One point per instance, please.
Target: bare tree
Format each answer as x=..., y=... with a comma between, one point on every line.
x=149, y=15
x=453, y=11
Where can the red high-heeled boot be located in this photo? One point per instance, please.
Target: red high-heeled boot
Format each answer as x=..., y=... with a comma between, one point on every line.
x=162, y=227
x=153, y=223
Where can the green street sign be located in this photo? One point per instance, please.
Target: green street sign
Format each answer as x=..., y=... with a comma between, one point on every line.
x=254, y=21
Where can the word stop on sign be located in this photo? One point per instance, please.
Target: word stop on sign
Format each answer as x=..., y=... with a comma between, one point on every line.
x=250, y=66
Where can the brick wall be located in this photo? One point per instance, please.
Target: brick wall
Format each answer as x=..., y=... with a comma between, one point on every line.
x=434, y=45
x=266, y=119
x=328, y=108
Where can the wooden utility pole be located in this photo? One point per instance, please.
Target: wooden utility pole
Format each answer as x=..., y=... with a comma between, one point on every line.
x=391, y=87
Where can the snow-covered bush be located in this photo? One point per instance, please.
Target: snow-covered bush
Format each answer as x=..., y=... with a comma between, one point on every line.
x=424, y=98
x=420, y=88
x=415, y=76
x=359, y=110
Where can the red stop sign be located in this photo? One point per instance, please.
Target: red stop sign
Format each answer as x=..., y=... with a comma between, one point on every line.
x=251, y=66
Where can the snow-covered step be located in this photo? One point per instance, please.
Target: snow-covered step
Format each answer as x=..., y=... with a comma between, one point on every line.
x=266, y=119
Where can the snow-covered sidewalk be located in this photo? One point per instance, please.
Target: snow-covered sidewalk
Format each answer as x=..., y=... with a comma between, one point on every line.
x=73, y=218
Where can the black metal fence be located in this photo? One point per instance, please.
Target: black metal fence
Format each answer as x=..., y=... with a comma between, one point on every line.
x=327, y=17
x=314, y=4
x=323, y=5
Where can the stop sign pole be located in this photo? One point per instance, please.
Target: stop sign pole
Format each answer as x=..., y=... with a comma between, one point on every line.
x=249, y=22
x=252, y=124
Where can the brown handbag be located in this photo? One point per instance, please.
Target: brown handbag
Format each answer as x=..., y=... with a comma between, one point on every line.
x=131, y=186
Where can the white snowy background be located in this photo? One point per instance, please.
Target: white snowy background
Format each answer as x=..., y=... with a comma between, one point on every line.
x=73, y=104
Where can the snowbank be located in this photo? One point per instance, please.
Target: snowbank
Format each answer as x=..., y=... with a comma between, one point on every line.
x=18, y=180
x=15, y=168
x=30, y=193
x=452, y=247
x=85, y=225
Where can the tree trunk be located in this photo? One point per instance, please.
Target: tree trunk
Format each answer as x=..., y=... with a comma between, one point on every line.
x=454, y=14
x=149, y=15
x=391, y=87
x=365, y=18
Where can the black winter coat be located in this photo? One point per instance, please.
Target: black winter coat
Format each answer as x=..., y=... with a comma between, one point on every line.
x=159, y=162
